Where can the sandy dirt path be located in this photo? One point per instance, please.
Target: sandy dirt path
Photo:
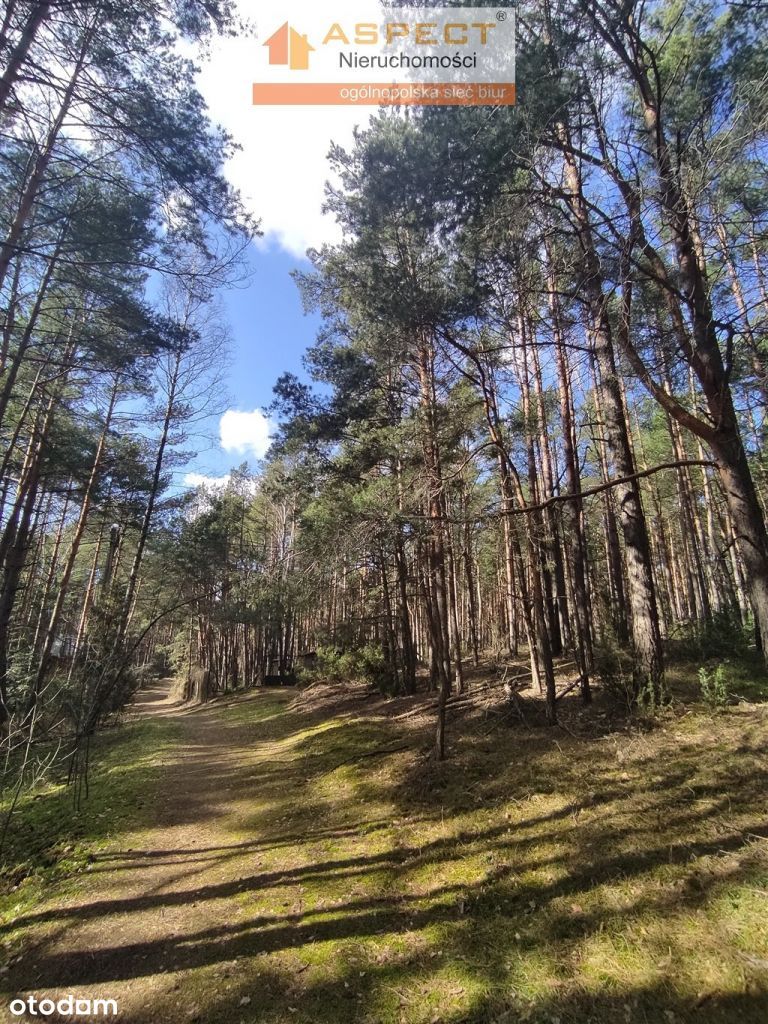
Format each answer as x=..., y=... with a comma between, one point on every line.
x=162, y=905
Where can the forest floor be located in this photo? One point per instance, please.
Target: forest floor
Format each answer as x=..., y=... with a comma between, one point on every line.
x=280, y=857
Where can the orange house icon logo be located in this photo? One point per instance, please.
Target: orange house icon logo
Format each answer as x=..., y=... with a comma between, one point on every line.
x=287, y=46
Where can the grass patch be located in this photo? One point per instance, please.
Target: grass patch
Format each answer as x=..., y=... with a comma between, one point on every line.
x=49, y=840
x=613, y=875
x=611, y=872
x=745, y=676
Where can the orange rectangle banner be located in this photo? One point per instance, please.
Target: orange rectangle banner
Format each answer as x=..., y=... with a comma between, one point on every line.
x=458, y=94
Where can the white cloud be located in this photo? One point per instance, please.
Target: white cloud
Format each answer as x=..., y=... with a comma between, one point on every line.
x=282, y=167
x=211, y=483
x=248, y=433
x=211, y=486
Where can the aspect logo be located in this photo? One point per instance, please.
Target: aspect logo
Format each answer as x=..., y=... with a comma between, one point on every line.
x=436, y=56
x=287, y=46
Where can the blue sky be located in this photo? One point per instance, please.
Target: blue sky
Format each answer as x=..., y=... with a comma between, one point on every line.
x=268, y=325
x=269, y=334
x=280, y=169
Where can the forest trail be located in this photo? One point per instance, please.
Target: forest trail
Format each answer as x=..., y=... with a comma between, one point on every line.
x=148, y=910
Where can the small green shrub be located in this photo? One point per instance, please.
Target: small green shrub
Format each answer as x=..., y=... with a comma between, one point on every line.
x=614, y=671
x=366, y=664
x=723, y=634
x=333, y=665
x=714, y=685
x=623, y=682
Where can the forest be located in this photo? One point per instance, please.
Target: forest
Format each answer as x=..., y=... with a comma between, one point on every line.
x=514, y=505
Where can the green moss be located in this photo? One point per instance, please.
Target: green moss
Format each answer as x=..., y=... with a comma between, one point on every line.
x=50, y=841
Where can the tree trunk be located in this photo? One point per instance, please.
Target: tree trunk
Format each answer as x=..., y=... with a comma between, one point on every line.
x=74, y=547
x=646, y=634
x=574, y=511
x=38, y=14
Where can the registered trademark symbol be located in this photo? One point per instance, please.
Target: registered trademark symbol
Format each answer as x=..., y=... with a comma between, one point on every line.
x=501, y=15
